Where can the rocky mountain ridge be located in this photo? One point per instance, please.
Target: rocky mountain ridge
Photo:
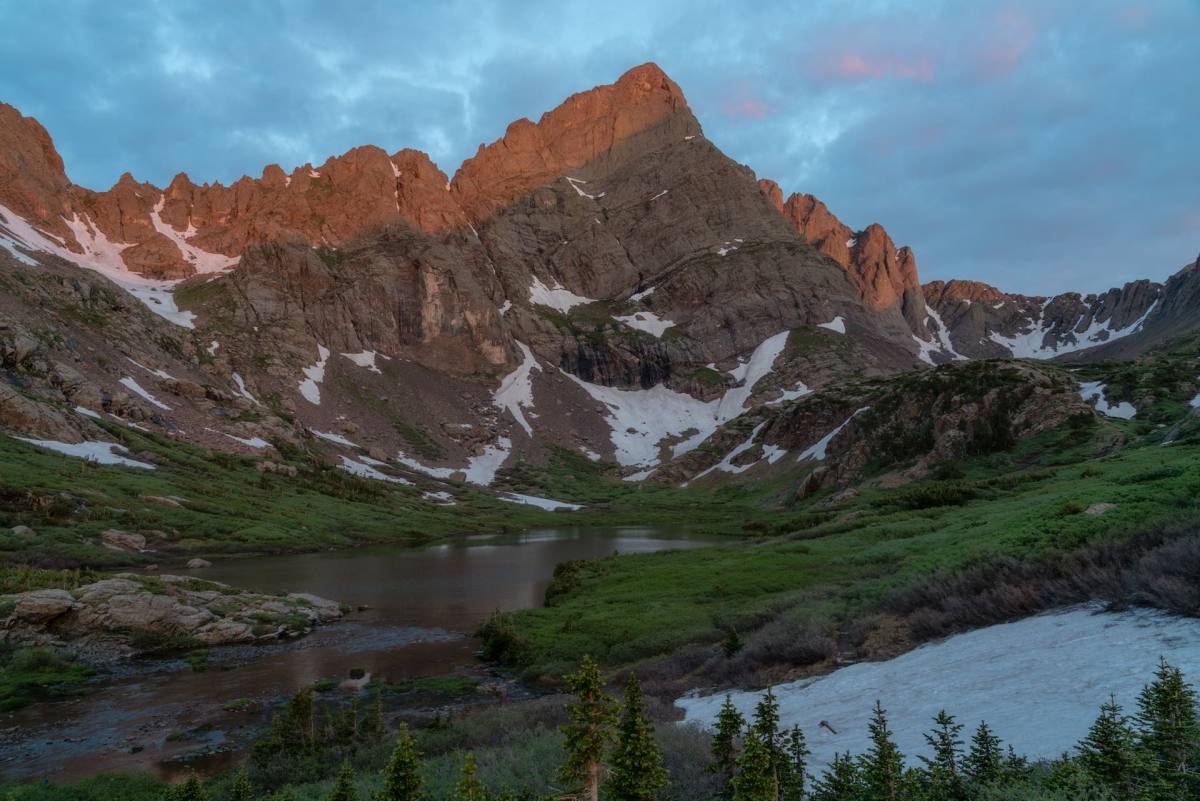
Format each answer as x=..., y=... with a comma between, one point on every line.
x=603, y=280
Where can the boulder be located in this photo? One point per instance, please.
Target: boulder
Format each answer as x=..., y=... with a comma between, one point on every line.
x=123, y=540
x=24, y=532
x=196, y=563
x=42, y=606
x=324, y=609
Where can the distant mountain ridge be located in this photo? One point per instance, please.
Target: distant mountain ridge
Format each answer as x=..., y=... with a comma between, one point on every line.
x=604, y=280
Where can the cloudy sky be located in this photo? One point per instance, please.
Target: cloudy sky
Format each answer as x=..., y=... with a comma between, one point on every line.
x=1040, y=145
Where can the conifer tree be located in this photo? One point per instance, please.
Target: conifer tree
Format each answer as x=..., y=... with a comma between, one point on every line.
x=242, y=791
x=943, y=775
x=588, y=734
x=470, y=788
x=1016, y=767
x=1108, y=753
x=796, y=748
x=841, y=781
x=636, y=768
x=190, y=790
x=766, y=726
x=301, y=712
x=883, y=765
x=984, y=763
x=375, y=726
x=284, y=794
x=1168, y=733
x=343, y=786
x=725, y=744
x=401, y=777
x=755, y=777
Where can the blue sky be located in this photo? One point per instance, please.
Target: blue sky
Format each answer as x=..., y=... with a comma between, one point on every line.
x=1040, y=145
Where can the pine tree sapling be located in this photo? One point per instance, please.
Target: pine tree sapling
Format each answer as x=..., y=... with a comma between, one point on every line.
x=343, y=786
x=766, y=726
x=755, y=779
x=636, y=771
x=401, y=777
x=1168, y=733
x=725, y=742
x=242, y=791
x=592, y=716
x=984, y=763
x=841, y=781
x=883, y=765
x=190, y=790
x=1108, y=753
x=943, y=778
x=470, y=788
x=796, y=748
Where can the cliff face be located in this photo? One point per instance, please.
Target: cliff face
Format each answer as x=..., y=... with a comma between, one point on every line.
x=604, y=279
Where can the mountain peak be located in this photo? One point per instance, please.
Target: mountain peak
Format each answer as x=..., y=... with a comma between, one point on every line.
x=584, y=128
x=33, y=182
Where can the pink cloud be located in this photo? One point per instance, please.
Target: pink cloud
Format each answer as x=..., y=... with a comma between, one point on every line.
x=854, y=66
x=1010, y=36
x=743, y=102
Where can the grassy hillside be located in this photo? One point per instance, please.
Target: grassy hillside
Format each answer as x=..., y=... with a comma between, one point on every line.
x=817, y=577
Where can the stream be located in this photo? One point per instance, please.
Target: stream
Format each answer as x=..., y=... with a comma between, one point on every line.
x=417, y=609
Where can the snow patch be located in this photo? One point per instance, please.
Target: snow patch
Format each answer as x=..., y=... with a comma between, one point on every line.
x=799, y=391
x=365, y=359
x=155, y=373
x=212, y=347
x=1038, y=683
x=1031, y=344
x=728, y=247
x=660, y=194
x=249, y=442
x=817, y=450
x=441, y=496
x=576, y=183
x=637, y=297
x=357, y=468
x=504, y=308
x=137, y=389
x=202, y=261
x=480, y=470
x=1095, y=392
x=516, y=388
x=541, y=503
x=641, y=475
x=334, y=438
x=241, y=388
x=726, y=465
x=556, y=297
x=98, y=452
x=641, y=419
x=649, y=322
x=836, y=324
x=102, y=256
x=310, y=387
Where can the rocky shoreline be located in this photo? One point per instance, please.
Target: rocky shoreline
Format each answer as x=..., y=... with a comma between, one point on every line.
x=129, y=615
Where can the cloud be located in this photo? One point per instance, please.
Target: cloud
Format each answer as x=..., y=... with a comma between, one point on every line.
x=1015, y=141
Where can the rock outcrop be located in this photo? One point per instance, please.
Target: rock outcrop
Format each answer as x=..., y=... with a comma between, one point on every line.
x=173, y=611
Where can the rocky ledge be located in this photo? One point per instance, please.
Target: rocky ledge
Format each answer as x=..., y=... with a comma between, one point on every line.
x=129, y=614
